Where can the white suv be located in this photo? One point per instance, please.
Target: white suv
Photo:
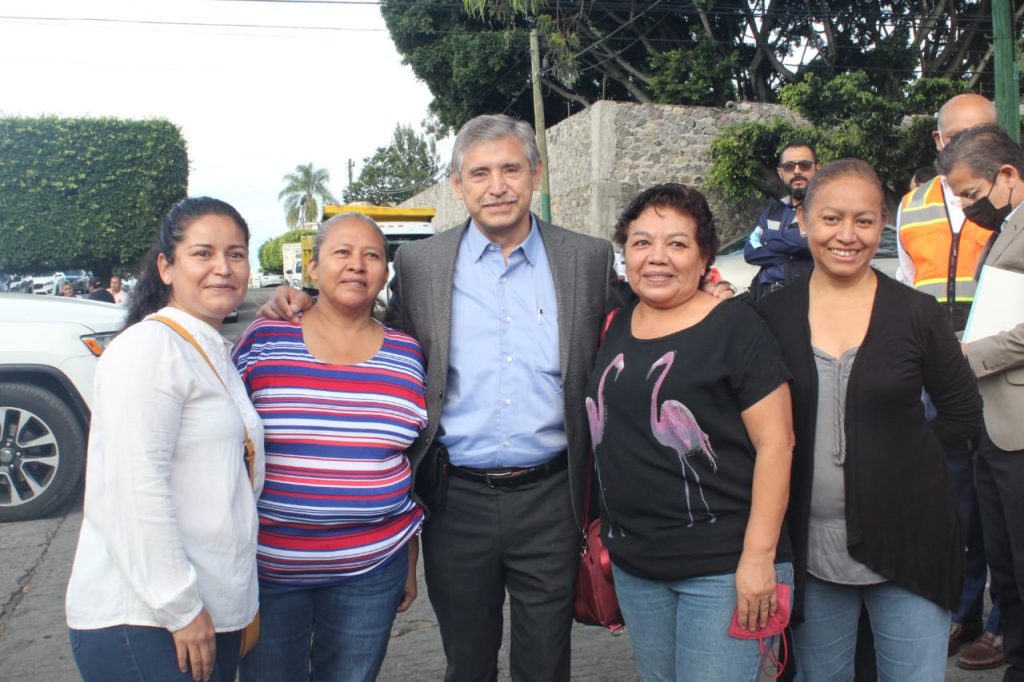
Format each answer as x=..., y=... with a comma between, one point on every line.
x=48, y=352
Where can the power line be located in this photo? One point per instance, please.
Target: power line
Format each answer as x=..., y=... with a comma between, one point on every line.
x=655, y=8
x=193, y=24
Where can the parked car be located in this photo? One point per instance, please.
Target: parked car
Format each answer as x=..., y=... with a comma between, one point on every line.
x=731, y=265
x=48, y=353
x=740, y=273
x=271, y=278
x=79, y=280
x=20, y=284
x=48, y=285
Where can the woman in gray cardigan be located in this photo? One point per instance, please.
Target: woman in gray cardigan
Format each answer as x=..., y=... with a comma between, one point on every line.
x=872, y=514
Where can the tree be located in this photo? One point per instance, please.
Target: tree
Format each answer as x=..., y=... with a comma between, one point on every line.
x=305, y=190
x=398, y=171
x=474, y=57
x=85, y=192
x=744, y=157
x=469, y=65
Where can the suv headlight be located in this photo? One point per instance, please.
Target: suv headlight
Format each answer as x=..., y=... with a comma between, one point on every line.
x=96, y=343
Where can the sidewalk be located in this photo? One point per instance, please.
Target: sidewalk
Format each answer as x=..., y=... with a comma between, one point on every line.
x=35, y=561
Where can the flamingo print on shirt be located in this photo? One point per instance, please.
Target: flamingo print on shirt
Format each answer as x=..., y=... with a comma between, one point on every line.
x=596, y=415
x=676, y=428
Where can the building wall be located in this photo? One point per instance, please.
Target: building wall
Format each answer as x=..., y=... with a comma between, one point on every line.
x=602, y=156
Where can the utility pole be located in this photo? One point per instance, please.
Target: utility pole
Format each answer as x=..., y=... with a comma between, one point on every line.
x=351, y=165
x=538, y=124
x=1005, y=65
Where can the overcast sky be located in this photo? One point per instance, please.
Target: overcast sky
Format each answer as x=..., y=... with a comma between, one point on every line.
x=256, y=87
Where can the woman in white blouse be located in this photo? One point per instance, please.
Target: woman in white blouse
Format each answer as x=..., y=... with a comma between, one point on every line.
x=164, y=579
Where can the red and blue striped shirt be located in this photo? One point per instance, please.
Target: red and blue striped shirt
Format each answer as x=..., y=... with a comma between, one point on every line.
x=336, y=502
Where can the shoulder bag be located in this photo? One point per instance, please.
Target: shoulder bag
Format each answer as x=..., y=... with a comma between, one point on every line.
x=596, y=603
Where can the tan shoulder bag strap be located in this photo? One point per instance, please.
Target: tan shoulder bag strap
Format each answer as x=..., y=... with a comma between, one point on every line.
x=250, y=449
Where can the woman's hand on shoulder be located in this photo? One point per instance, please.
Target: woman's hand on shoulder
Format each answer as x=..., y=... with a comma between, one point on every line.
x=285, y=303
x=196, y=644
x=756, y=599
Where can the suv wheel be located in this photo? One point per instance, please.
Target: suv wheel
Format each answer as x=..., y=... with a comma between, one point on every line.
x=42, y=452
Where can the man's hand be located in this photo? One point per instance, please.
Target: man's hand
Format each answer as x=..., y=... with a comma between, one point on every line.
x=286, y=304
x=410, y=592
x=196, y=644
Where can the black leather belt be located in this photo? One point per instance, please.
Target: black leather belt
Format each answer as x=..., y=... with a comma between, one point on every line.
x=512, y=477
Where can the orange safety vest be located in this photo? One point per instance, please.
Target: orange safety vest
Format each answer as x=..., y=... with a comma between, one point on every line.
x=944, y=262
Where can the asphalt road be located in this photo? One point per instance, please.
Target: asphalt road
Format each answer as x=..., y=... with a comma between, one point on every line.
x=35, y=562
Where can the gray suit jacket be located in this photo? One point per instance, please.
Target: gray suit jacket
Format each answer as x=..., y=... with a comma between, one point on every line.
x=421, y=304
x=998, y=361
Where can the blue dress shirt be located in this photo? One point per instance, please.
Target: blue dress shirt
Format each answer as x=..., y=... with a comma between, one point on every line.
x=503, y=405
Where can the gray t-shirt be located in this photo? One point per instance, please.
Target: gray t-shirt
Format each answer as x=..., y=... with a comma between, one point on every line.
x=827, y=555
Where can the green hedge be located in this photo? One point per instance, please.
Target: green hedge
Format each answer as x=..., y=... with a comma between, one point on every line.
x=270, y=250
x=85, y=193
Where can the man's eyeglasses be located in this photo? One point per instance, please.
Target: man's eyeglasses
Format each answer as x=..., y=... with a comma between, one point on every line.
x=791, y=166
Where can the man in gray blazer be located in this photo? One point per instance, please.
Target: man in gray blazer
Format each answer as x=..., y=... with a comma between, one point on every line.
x=509, y=310
x=985, y=168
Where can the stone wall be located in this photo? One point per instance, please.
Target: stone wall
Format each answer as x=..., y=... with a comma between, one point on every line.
x=602, y=156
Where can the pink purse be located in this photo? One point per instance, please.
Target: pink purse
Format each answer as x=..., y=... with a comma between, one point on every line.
x=775, y=626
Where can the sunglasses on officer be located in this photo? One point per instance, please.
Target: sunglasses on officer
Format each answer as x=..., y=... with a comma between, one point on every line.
x=790, y=166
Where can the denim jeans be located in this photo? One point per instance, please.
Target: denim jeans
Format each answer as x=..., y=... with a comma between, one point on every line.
x=337, y=633
x=680, y=628
x=911, y=633
x=137, y=653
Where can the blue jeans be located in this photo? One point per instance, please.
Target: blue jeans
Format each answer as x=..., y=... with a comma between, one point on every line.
x=679, y=629
x=911, y=633
x=136, y=653
x=337, y=633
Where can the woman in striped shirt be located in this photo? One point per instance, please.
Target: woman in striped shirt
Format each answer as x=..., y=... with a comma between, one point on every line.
x=341, y=398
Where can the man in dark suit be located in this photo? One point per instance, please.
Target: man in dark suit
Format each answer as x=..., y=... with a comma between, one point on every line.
x=984, y=167
x=508, y=309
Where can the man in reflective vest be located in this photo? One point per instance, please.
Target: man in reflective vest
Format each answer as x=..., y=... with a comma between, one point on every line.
x=939, y=250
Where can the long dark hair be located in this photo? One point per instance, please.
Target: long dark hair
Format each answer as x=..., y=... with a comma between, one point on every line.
x=150, y=293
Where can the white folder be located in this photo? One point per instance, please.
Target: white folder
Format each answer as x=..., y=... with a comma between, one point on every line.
x=998, y=303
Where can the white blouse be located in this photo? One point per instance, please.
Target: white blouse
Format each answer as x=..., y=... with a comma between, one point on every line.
x=170, y=513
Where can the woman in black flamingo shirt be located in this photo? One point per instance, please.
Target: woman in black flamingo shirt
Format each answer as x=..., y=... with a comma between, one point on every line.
x=690, y=420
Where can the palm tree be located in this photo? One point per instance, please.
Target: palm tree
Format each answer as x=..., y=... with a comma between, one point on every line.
x=303, y=192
